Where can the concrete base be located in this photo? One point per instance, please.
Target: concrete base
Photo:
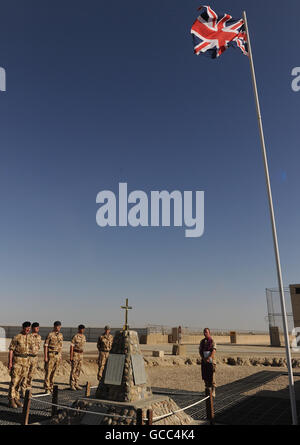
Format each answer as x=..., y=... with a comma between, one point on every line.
x=160, y=354
x=179, y=350
x=160, y=405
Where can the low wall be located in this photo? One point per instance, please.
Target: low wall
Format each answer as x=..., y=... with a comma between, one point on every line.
x=154, y=339
x=195, y=339
x=243, y=339
x=252, y=339
x=91, y=334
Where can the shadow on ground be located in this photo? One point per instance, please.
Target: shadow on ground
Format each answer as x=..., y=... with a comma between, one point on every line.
x=233, y=407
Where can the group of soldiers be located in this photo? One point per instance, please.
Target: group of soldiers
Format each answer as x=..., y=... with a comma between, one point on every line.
x=24, y=349
x=23, y=358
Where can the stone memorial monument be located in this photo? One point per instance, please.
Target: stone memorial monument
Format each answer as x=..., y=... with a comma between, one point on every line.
x=124, y=378
x=124, y=387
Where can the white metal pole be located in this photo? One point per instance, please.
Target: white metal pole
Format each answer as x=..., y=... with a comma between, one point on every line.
x=275, y=240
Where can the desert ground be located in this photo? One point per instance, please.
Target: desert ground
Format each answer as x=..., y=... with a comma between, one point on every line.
x=234, y=363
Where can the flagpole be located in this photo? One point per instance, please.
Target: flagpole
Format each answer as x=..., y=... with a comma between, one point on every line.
x=275, y=240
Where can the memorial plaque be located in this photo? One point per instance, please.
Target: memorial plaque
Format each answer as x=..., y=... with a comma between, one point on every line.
x=114, y=369
x=138, y=367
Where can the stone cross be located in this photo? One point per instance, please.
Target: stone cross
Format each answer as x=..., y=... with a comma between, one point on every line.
x=126, y=307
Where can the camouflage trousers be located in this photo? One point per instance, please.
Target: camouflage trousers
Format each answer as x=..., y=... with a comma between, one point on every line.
x=51, y=367
x=103, y=356
x=18, y=373
x=76, y=366
x=32, y=366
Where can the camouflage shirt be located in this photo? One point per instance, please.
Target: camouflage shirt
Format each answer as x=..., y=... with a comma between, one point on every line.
x=35, y=341
x=105, y=342
x=20, y=344
x=54, y=341
x=78, y=341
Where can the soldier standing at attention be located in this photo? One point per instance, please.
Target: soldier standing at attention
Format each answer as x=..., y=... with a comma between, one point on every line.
x=52, y=355
x=35, y=341
x=76, y=357
x=207, y=350
x=104, y=345
x=18, y=364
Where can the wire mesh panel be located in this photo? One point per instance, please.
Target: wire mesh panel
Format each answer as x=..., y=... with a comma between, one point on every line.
x=274, y=309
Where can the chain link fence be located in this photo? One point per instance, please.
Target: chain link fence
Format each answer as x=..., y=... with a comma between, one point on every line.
x=198, y=330
x=274, y=317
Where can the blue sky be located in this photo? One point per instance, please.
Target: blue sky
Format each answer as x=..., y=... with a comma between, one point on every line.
x=105, y=92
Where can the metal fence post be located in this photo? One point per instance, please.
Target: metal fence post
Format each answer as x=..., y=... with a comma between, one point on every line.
x=54, y=400
x=139, y=417
x=149, y=417
x=26, y=406
x=210, y=413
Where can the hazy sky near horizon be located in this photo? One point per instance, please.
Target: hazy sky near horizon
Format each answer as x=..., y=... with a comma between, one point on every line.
x=105, y=92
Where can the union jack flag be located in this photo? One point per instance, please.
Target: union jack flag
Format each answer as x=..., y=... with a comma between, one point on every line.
x=213, y=33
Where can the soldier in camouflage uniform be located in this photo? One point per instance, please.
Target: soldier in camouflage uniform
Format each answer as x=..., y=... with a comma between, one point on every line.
x=76, y=357
x=18, y=364
x=52, y=355
x=35, y=341
x=104, y=345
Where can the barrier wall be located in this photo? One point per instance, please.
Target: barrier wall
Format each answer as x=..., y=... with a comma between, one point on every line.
x=91, y=334
x=243, y=339
x=154, y=339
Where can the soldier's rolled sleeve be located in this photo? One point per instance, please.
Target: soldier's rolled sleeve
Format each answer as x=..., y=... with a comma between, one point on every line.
x=46, y=343
x=12, y=345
